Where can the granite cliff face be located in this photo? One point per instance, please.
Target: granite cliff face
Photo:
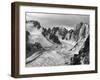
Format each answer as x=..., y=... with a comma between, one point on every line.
x=57, y=45
x=80, y=31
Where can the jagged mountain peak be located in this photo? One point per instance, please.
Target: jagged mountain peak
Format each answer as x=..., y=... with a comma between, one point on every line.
x=57, y=33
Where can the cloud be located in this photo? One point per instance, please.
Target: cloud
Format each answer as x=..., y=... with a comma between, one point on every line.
x=47, y=19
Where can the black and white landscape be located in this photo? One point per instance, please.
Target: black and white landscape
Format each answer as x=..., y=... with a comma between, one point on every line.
x=57, y=39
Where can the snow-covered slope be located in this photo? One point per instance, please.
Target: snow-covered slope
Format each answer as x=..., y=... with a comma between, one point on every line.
x=36, y=36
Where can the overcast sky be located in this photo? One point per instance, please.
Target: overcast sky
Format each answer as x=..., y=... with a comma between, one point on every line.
x=57, y=19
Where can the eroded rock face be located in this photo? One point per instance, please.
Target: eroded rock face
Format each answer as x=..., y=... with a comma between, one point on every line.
x=81, y=47
x=83, y=54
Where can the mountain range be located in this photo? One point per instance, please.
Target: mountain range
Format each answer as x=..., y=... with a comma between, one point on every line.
x=73, y=42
